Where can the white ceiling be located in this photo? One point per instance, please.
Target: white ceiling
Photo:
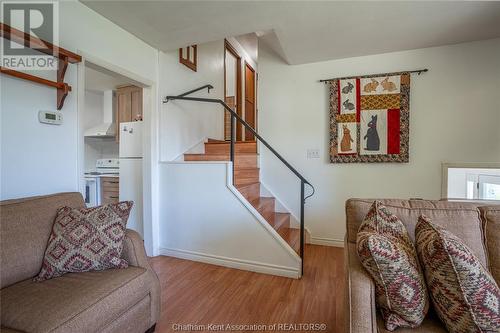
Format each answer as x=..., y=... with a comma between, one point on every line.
x=249, y=42
x=308, y=31
x=98, y=81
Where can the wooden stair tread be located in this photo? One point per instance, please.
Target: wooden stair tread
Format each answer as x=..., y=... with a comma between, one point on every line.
x=224, y=147
x=214, y=141
x=279, y=220
x=241, y=160
x=262, y=203
x=246, y=176
x=291, y=236
x=218, y=156
x=249, y=191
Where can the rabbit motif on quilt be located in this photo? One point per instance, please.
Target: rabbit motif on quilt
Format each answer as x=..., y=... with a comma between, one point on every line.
x=347, y=89
x=371, y=87
x=345, y=144
x=388, y=85
x=371, y=137
x=348, y=105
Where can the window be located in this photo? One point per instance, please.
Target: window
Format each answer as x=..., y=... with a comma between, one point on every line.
x=471, y=181
x=489, y=187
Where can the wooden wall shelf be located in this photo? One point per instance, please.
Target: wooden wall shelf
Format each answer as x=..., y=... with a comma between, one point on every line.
x=64, y=57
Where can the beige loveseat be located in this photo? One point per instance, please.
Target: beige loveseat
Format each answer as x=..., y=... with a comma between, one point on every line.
x=478, y=226
x=115, y=300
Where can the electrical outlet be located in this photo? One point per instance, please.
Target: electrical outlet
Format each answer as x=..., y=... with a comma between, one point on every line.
x=313, y=153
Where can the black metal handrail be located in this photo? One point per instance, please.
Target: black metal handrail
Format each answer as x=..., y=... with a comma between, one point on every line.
x=207, y=86
x=235, y=116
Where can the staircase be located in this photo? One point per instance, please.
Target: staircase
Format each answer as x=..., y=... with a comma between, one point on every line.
x=246, y=173
x=247, y=181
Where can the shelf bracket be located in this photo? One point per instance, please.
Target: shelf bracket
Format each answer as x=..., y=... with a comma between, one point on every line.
x=64, y=58
x=61, y=71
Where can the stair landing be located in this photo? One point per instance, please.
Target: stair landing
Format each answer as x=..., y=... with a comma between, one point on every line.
x=247, y=181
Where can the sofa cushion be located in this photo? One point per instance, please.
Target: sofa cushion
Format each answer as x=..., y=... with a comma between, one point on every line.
x=388, y=254
x=464, y=294
x=28, y=221
x=431, y=324
x=462, y=219
x=8, y=330
x=73, y=302
x=491, y=226
x=86, y=239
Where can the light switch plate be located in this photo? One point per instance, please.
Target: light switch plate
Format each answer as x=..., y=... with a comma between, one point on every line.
x=313, y=153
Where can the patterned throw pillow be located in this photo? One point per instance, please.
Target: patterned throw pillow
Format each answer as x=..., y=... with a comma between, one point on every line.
x=388, y=254
x=86, y=239
x=464, y=294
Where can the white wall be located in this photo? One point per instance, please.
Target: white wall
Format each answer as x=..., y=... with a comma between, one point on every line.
x=41, y=159
x=183, y=124
x=36, y=158
x=92, y=116
x=202, y=219
x=455, y=114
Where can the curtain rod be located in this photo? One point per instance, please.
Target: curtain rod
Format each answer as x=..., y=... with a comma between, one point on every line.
x=419, y=71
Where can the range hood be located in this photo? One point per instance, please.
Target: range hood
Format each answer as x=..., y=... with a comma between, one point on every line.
x=107, y=128
x=102, y=130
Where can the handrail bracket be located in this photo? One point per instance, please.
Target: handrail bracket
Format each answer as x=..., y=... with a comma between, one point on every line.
x=207, y=86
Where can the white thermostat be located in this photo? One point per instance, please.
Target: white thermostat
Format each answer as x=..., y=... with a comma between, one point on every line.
x=50, y=117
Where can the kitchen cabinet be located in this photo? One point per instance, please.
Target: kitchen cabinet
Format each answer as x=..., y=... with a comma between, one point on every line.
x=128, y=106
x=110, y=190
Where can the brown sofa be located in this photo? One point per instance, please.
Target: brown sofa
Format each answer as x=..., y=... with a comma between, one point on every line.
x=115, y=300
x=478, y=226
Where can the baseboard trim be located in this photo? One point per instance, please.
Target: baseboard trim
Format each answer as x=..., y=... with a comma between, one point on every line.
x=327, y=241
x=246, y=265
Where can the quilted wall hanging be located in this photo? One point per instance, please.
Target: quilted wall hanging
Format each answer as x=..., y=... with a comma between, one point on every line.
x=369, y=118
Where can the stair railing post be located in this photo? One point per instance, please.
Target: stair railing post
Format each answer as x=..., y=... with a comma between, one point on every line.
x=302, y=201
x=231, y=147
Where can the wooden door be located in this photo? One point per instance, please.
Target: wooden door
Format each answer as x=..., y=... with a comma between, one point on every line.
x=230, y=55
x=250, y=114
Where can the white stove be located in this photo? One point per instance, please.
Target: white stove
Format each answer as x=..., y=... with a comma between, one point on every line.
x=103, y=168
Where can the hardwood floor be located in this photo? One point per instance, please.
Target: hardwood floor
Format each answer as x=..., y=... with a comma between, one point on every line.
x=202, y=294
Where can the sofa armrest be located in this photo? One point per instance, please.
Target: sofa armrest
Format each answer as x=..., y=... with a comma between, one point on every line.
x=360, y=310
x=135, y=254
x=133, y=250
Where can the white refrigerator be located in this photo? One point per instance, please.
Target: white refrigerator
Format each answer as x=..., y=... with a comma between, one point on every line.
x=131, y=172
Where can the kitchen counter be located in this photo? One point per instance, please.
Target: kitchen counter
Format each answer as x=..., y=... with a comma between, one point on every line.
x=101, y=175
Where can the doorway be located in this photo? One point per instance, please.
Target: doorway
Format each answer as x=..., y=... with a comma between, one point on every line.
x=135, y=171
x=232, y=89
x=250, y=98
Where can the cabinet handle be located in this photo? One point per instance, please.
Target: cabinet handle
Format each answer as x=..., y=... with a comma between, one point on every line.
x=113, y=197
